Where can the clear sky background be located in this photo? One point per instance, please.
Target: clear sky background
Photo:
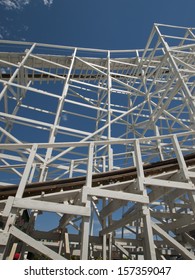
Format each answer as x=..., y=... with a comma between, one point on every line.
x=106, y=24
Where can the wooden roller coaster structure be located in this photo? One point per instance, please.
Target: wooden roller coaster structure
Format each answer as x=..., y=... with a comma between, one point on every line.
x=97, y=157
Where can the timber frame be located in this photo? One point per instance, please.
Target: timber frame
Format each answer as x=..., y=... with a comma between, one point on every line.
x=106, y=140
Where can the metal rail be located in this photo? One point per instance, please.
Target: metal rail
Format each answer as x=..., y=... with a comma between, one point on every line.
x=76, y=183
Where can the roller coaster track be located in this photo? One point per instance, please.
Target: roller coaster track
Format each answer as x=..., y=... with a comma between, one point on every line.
x=121, y=175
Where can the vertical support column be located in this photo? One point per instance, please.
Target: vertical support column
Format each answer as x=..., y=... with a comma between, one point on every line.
x=183, y=169
x=180, y=158
x=110, y=246
x=149, y=250
x=87, y=202
x=104, y=238
x=110, y=151
x=109, y=86
x=149, y=247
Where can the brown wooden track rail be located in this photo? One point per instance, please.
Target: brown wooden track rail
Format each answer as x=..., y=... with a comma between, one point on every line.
x=121, y=175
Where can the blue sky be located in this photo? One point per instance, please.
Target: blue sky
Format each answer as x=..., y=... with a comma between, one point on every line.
x=106, y=24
